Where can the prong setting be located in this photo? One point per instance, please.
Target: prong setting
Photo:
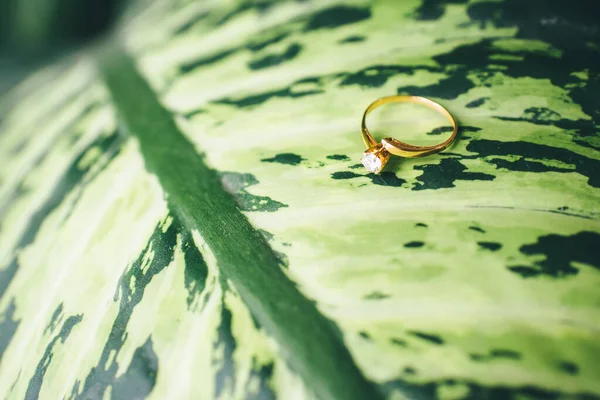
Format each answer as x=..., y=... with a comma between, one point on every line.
x=375, y=158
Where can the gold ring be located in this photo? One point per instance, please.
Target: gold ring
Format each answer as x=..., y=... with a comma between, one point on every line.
x=378, y=154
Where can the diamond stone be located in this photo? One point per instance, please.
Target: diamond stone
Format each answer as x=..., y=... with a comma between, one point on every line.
x=371, y=162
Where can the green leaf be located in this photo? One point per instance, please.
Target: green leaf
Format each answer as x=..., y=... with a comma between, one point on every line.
x=183, y=216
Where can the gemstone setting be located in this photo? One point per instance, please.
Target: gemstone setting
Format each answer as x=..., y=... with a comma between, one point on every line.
x=375, y=158
x=371, y=162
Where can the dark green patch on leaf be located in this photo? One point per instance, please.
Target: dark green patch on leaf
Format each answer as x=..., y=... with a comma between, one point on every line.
x=525, y=272
x=435, y=339
x=455, y=84
x=344, y=175
x=353, y=39
x=338, y=157
x=477, y=103
x=185, y=27
x=495, y=354
x=560, y=251
x=337, y=16
x=226, y=344
x=376, y=296
x=537, y=114
x=414, y=245
x=444, y=174
x=257, y=99
x=434, y=9
x=272, y=60
x=399, y=342
x=54, y=319
x=477, y=229
x=569, y=367
x=285, y=158
x=263, y=375
x=522, y=164
x=191, y=114
x=377, y=75
x=492, y=246
x=259, y=6
x=35, y=383
x=258, y=45
x=207, y=60
x=8, y=326
x=196, y=270
x=440, y=130
x=139, y=379
x=420, y=225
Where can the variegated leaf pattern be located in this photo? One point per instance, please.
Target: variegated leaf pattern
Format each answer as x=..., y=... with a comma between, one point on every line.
x=466, y=275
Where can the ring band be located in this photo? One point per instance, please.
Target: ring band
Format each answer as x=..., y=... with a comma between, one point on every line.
x=377, y=154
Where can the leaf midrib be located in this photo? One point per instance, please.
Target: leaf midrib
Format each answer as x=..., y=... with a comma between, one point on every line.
x=310, y=343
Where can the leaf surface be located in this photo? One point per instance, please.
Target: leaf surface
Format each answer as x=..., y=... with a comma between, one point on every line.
x=188, y=208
